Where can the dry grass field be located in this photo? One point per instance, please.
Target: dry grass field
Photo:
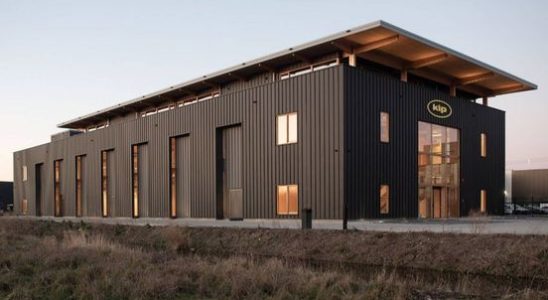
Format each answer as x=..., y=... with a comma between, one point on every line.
x=50, y=260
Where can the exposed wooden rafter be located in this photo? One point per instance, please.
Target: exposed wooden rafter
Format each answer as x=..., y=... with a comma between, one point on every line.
x=446, y=80
x=384, y=58
x=341, y=46
x=473, y=79
x=434, y=59
x=376, y=44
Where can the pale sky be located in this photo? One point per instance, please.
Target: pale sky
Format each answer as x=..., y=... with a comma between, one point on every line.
x=63, y=59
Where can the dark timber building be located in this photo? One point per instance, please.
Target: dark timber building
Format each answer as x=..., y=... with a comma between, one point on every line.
x=375, y=121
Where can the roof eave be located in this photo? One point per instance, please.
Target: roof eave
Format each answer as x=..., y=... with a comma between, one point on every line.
x=340, y=35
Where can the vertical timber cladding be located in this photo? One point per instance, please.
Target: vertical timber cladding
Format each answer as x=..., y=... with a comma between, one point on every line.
x=315, y=162
x=369, y=163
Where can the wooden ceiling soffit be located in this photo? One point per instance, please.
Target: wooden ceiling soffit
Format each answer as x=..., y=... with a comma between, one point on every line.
x=509, y=89
x=384, y=58
x=238, y=77
x=302, y=58
x=376, y=44
x=166, y=99
x=421, y=63
x=211, y=84
x=118, y=113
x=267, y=67
x=449, y=81
x=188, y=91
x=342, y=46
x=473, y=79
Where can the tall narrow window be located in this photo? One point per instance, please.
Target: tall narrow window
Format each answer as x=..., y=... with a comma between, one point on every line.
x=24, y=206
x=385, y=127
x=104, y=183
x=287, y=128
x=483, y=138
x=79, y=187
x=135, y=179
x=385, y=199
x=483, y=201
x=25, y=176
x=58, y=197
x=173, y=175
x=288, y=200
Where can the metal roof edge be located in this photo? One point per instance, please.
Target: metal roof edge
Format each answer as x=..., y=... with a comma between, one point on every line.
x=230, y=69
x=338, y=35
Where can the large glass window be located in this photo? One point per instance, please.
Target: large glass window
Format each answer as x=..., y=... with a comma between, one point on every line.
x=385, y=127
x=438, y=163
x=287, y=128
x=58, y=197
x=385, y=199
x=483, y=140
x=288, y=200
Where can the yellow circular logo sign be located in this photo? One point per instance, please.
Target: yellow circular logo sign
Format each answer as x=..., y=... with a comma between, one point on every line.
x=439, y=109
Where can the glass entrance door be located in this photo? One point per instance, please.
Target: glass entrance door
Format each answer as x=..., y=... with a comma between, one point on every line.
x=439, y=165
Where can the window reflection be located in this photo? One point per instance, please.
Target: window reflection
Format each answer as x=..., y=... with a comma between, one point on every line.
x=385, y=127
x=288, y=200
x=135, y=179
x=385, y=199
x=287, y=129
x=292, y=128
x=483, y=201
x=173, y=175
x=438, y=171
x=483, y=138
x=104, y=183
x=58, y=196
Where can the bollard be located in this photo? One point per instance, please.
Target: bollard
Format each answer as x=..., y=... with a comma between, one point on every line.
x=306, y=218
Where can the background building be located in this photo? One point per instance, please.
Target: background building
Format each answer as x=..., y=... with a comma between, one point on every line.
x=530, y=186
x=6, y=195
x=372, y=122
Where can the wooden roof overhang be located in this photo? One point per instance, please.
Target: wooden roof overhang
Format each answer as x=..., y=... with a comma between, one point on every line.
x=379, y=42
